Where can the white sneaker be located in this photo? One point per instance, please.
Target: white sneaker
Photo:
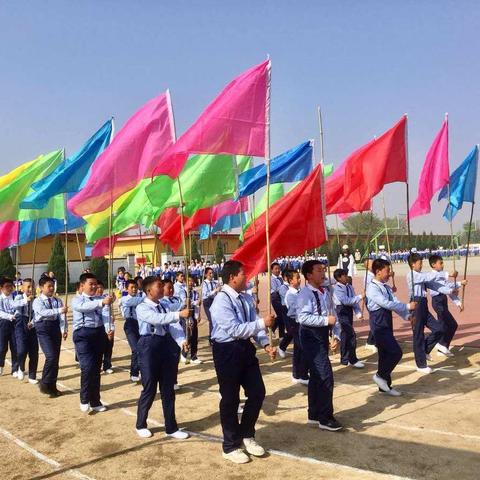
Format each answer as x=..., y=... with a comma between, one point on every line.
x=33, y=381
x=184, y=360
x=99, y=408
x=109, y=371
x=176, y=386
x=253, y=448
x=134, y=378
x=179, y=435
x=300, y=381
x=20, y=374
x=314, y=423
x=358, y=364
x=381, y=383
x=428, y=357
x=84, y=407
x=444, y=351
x=370, y=346
x=425, y=370
x=143, y=432
x=393, y=393
x=197, y=361
x=240, y=409
x=237, y=456
x=281, y=353
x=15, y=374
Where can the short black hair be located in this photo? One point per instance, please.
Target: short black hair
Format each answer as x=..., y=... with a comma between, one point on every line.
x=413, y=258
x=433, y=259
x=274, y=264
x=208, y=269
x=44, y=280
x=149, y=281
x=85, y=276
x=121, y=269
x=230, y=269
x=100, y=284
x=164, y=282
x=130, y=281
x=307, y=267
x=339, y=272
x=289, y=274
x=28, y=280
x=379, y=264
x=5, y=281
x=178, y=274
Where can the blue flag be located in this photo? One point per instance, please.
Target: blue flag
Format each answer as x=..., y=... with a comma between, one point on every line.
x=70, y=176
x=291, y=166
x=462, y=185
x=204, y=231
x=229, y=222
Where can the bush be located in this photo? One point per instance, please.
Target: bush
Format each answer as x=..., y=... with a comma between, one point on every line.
x=99, y=267
x=219, y=253
x=56, y=264
x=7, y=269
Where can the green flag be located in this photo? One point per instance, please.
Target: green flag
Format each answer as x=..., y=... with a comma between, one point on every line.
x=327, y=170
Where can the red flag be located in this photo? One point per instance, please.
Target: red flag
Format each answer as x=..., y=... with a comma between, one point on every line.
x=9, y=233
x=296, y=224
x=102, y=246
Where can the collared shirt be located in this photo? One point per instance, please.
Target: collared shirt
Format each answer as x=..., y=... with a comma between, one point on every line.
x=283, y=289
x=156, y=319
x=275, y=283
x=175, y=304
x=208, y=289
x=128, y=304
x=234, y=318
x=345, y=295
x=195, y=302
x=7, y=307
x=442, y=279
x=180, y=290
x=380, y=295
x=87, y=311
x=291, y=301
x=312, y=307
x=22, y=305
x=423, y=281
x=49, y=309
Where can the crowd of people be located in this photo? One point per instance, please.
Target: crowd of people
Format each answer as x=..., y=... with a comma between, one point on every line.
x=161, y=311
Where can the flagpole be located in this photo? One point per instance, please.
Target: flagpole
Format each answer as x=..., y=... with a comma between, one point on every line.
x=155, y=246
x=387, y=236
x=462, y=306
x=205, y=267
x=452, y=243
x=65, y=224
x=141, y=249
x=409, y=231
x=255, y=280
x=33, y=265
x=16, y=266
x=110, y=263
x=79, y=250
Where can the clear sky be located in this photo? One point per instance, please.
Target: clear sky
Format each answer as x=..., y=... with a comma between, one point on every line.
x=65, y=67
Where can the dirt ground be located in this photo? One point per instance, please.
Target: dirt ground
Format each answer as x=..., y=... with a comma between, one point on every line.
x=431, y=432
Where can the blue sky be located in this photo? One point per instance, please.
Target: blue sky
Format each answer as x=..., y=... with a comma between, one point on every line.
x=67, y=66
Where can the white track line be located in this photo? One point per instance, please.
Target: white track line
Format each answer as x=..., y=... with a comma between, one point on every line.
x=40, y=456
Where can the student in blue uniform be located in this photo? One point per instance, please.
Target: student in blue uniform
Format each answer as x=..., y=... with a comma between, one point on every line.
x=440, y=305
x=25, y=334
x=109, y=325
x=209, y=289
x=90, y=339
x=160, y=337
x=276, y=282
x=316, y=315
x=8, y=317
x=179, y=287
x=235, y=323
x=192, y=324
x=381, y=303
x=288, y=336
x=346, y=305
x=423, y=345
x=51, y=325
x=128, y=305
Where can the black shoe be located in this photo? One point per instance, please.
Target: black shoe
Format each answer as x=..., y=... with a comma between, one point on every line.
x=44, y=388
x=331, y=425
x=54, y=392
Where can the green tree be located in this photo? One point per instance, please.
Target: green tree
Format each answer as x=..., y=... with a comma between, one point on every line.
x=99, y=267
x=56, y=263
x=333, y=251
x=219, y=253
x=7, y=269
x=363, y=224
x=195, y=253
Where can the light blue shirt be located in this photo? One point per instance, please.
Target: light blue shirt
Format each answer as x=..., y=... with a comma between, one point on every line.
x=380, y=295
x=291, y=302
x=128, y=304
x=275, y=283
x=442, y=279
x=156, y=319
x=234, y=318
x=180, y=290
x=345, y=295
x=87, y=311
x=7, y=307
x=175, y=304
x=20, y=303
x=423, y=281
x=208, y=289
x=283, y=289
x=48, y=309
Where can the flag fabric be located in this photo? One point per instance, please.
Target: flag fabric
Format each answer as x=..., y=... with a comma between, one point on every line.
x=9, y=234
x=236, y=122
x=102, y=247
x=15, y=189
x=130, y=158
x=461, y=186
x=71, y=175
x=300, y=210
x=327, y=170
x=229, y=222
x=293, y=165
x=371, y=167
x=435, y=173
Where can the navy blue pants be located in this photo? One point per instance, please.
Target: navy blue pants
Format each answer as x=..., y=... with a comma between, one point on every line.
x=192, y=335
x=158, y=360
x=237, y=366
x=50, y=339
x=90, y=346
x=450, y=325
x=131, y=331
x=348, y=338
x=315, y=343
x=207, y=303
x=27, y=344
x=7, y=339
x=289, y=327
x=389, y=351
x=278, y=309
x=107, y=356
x=422, y=345
x=299, y=364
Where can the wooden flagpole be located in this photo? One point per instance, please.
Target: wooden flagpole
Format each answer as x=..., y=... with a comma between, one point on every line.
x=462, y=306
x=452, y=241
x=409, y=231
x=387, y=236
x=110, y=263
x=16, y=266
x=33, y=266
x=79, y=250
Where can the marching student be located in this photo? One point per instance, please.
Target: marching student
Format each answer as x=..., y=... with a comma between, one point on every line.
x=276, y=282
x=299, y=365
x=109, y=324
x=179, y=287
x=440, y=305
x=346, y=304
x=210, y=288
x=235, y=322
x=25, y=334
x=128, y=305
x=192, y=324
x=423, y=345
x=381, y=302
x=50, y=321
x=288, y=336
x=89, y=337
x=8, y=316
x=160, y=338
x=315, y=315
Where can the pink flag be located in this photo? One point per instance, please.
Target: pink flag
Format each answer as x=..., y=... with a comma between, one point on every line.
x=236, y=123
x=131, y=157
x=435, y=173
x=102, y=247
x=9, y=233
